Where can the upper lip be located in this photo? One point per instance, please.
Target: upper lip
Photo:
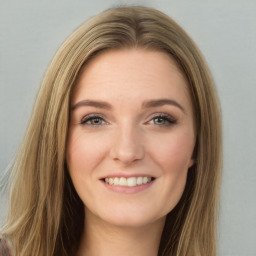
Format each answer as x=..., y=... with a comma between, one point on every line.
x=126, y=175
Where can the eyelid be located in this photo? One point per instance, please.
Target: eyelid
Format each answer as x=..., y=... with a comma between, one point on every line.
x=90, y=117
x=167, y=117
x=163, y=114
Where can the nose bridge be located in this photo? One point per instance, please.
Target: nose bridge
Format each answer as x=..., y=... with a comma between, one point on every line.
x=127, y=145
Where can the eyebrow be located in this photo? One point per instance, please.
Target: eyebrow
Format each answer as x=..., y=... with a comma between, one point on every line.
x=92, y=103
x=162, y=102
x=145, y=104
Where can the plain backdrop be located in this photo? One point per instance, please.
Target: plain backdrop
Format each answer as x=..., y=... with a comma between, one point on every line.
x=225, y=31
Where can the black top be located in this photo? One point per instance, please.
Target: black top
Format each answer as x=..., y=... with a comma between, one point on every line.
x=3, y=248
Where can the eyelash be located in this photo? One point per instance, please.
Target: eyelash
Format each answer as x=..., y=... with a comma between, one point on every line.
x=89, y=118
x=168, y=120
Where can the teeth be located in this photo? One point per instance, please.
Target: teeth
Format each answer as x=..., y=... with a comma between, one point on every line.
x=130, y=182
x=139, y=180
x=145, y=180
x=122, y=182
x=116, y=181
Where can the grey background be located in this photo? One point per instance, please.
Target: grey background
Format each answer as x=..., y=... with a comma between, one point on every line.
x=225, y=31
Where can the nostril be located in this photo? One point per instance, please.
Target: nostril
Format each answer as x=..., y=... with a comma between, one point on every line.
x=127, y=150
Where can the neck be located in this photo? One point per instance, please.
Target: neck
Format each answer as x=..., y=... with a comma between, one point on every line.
x=106, y=239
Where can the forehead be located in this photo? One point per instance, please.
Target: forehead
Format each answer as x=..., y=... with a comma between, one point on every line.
x=134, y=73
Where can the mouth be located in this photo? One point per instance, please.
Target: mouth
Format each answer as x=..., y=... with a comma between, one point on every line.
x=128, y=182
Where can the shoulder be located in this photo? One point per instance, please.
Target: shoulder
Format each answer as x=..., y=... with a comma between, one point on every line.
x=3, y=248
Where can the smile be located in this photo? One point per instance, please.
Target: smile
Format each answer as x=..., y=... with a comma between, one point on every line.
x=127, y=182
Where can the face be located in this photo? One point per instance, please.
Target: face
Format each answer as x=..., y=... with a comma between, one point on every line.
x=131, y=137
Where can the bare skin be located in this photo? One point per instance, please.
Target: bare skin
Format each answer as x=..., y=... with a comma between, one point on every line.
x=105, y=240
x=131, y=120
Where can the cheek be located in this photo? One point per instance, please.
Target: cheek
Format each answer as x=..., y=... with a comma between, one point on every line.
x=173, y=156
x=175, y=152
x=83, y=150
x=84, y=154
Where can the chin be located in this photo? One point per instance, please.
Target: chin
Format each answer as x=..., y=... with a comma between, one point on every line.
x=130, y=218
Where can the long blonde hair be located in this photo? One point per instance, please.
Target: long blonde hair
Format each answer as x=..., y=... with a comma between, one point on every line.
x=45, y=214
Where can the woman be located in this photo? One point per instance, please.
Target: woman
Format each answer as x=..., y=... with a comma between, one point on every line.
x=123, y=150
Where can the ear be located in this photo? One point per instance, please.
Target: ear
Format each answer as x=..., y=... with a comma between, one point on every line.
x=191, y=162
x=193, y=157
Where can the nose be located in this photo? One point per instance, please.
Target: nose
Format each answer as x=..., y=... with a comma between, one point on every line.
x=127, y=145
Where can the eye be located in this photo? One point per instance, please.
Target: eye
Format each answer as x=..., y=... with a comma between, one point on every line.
x=93, y=120
x=163, y=120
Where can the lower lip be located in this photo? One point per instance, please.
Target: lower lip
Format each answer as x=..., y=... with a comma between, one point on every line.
x=126, y=189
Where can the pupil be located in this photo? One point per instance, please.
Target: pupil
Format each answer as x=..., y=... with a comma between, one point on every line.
x=159, y=120
x=96, y=121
